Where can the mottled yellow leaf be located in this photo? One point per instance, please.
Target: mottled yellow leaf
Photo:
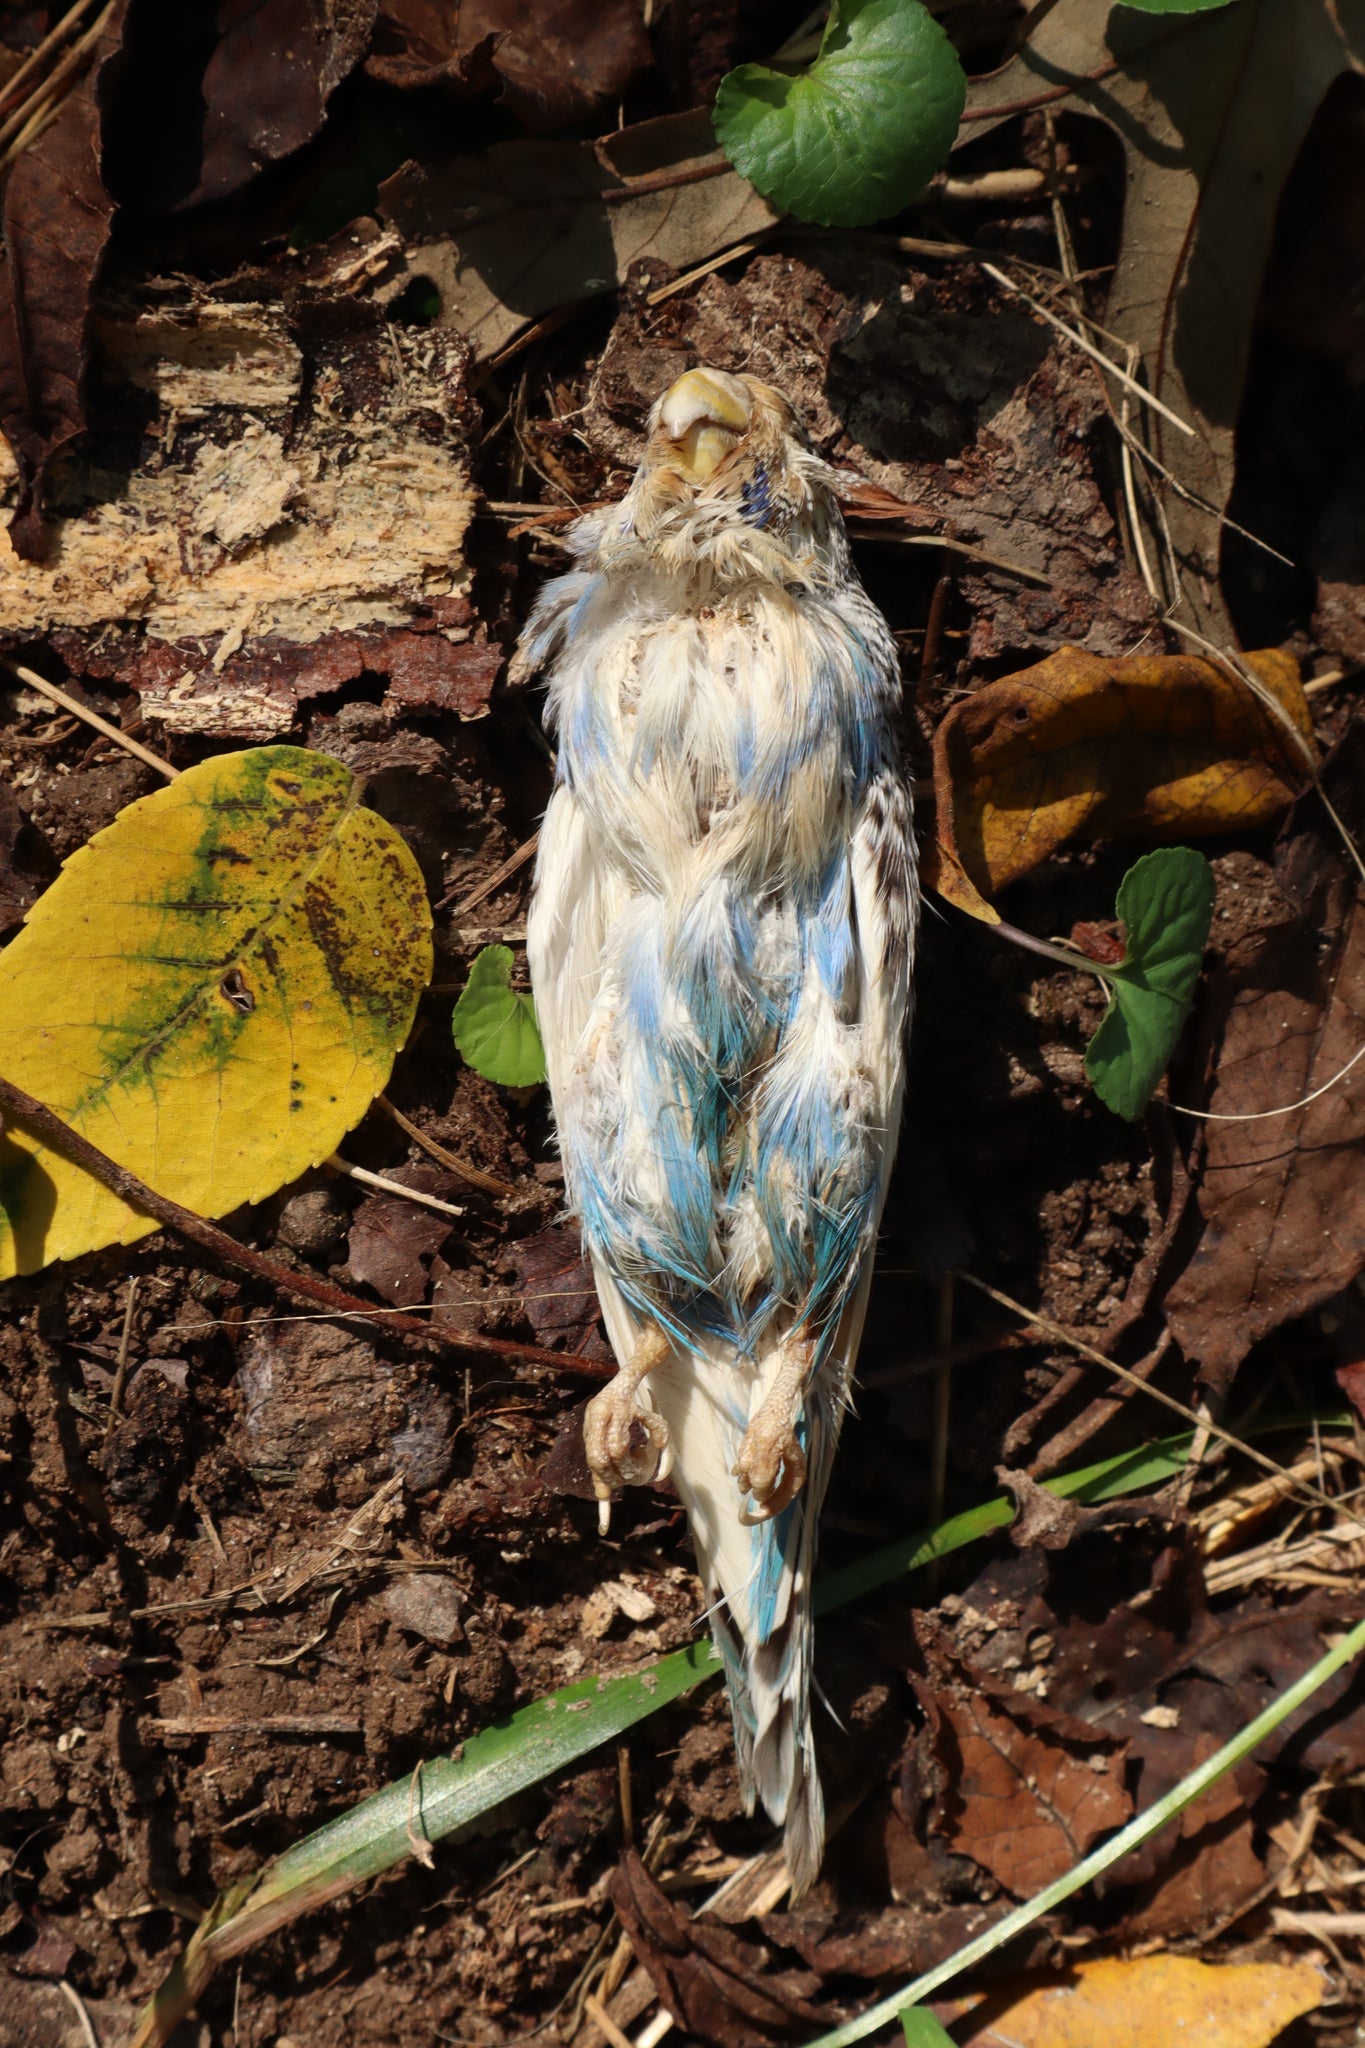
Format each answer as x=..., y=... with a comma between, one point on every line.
x=1153, y=2002
x=212, y=991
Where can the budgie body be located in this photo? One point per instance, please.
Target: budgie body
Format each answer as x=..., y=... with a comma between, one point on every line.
x=720, y=946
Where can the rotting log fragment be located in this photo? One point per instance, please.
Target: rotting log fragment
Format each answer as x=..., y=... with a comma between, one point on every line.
x=296, y=517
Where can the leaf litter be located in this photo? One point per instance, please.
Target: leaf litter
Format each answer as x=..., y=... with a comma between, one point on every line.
x=304, y=430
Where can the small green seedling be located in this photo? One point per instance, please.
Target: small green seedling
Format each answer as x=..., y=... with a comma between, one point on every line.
x=854, y=137
x=495, y=1025
x=1165, y=905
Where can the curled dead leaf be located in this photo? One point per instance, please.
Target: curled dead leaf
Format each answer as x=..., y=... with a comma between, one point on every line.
x=1156, y=747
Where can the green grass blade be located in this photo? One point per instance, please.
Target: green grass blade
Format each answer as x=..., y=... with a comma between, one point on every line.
x=450, y=1792
x=922, y=2030
x=1120, y=1845
x=1129, y=1472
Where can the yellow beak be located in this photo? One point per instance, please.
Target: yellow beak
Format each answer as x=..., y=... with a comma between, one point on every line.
x=704, y=415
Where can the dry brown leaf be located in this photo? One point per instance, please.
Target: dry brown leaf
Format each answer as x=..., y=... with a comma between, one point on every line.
x=499, y=256
x=235, y=88
x=1149, y=2003
x=391, y=1240
x=1159, y=747
x=1211, y=113
x=1281, y=1196
x=1024, y=1808
x=57, y=217
x=1026, y=1791
x=555, y=61
x=715, y=1986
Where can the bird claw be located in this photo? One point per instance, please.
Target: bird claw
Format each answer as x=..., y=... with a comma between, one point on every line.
x=624, y=1440
x=627, y=1443
x=771, y=1467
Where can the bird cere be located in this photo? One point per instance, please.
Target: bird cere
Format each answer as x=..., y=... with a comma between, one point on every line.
x=721, y=941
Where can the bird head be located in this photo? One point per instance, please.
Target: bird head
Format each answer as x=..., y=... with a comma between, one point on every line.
x=729, y=472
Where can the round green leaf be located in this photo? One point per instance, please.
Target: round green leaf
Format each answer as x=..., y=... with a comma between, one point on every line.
x=1165, y=904
x=495, y=1027
x=855, y=137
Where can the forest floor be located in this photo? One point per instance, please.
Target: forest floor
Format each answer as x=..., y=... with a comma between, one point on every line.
x=222, y=1622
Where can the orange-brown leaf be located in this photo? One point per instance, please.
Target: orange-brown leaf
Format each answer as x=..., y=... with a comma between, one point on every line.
x=1148, y=2003
x=1024, y=1803
x=1161, y=748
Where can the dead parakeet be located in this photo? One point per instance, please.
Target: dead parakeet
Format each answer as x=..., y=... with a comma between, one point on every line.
x=720, y=943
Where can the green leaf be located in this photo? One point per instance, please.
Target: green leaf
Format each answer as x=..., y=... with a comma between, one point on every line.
x=855, y=137
x=1165, y=904
x=922, y=2030
x=495, y=1027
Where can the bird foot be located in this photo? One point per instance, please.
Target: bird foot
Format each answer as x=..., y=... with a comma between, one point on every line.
x=771, y=1466
x=626, y=1442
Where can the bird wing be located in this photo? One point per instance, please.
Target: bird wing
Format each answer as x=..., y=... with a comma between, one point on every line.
x=758, y=1575
x=566, y=931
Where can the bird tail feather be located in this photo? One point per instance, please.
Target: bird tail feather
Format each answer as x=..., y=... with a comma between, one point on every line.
x=757, y=1578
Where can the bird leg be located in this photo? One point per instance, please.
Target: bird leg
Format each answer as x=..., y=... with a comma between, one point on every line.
x=626, y=1442
x=772, y=1464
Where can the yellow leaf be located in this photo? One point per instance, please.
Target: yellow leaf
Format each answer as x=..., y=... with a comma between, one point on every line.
x=1153, y=2002
x=212, y=991
x=1159, y=747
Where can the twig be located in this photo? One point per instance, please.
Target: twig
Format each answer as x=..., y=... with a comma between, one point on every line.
x=1144, y=396
x=77, y=2004
x=1040, y=99
x=48, y=1126
x=121, y=1362
x=604, y=2022
x=962, y=547
x=391, y=1187
x=1059, y=1448
x=976, y=186
x=515, y=860
x=40, y=99
x=51, y=41
x=466, y=1169
x=1061, y=1335
x=680, y=284
x=266, y=1724
x=111, y=732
